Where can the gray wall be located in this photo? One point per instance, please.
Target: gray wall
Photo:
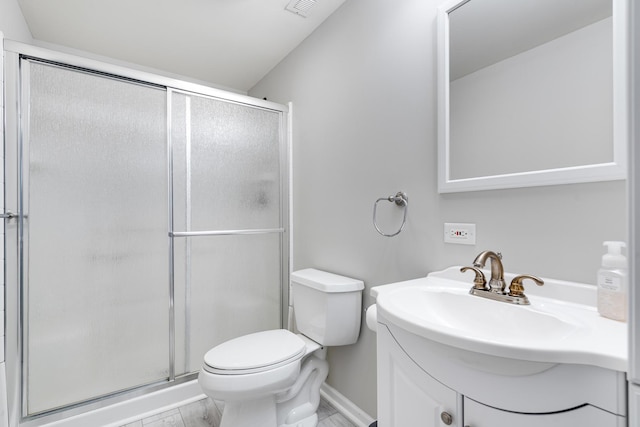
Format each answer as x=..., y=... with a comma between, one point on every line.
x=363, y=87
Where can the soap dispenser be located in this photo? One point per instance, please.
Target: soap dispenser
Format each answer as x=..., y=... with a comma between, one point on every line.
x=613, y=288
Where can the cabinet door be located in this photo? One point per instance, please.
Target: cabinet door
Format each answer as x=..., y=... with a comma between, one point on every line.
x=478, y=415
x=408, y=396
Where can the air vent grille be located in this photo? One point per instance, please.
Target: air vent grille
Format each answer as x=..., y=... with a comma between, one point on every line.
x=301, y=7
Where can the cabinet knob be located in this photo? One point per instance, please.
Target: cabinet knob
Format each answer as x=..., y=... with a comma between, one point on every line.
x=446, y=418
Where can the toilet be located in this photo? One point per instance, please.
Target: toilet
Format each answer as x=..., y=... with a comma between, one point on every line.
x=273, y=378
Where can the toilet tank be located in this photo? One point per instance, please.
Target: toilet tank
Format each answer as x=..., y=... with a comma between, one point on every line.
x=327, y=307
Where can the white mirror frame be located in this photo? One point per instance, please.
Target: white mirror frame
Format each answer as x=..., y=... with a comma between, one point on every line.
x=615, y=170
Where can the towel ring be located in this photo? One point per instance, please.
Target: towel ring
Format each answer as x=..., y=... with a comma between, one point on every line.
x=400, y=199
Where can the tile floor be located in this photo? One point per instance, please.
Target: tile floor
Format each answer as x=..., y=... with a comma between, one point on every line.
x=207, y=413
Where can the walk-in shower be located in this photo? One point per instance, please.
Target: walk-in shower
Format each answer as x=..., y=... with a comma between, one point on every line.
x=152, y=225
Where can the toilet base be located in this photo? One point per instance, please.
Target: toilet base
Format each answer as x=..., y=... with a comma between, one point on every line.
x=250, y=413
x=258, y=413
x=311, y=421
x=298, y=406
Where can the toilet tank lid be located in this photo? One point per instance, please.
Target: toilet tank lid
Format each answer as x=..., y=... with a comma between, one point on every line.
x=326, y=282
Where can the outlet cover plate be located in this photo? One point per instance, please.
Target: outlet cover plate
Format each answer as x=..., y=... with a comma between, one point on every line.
x=458, y=233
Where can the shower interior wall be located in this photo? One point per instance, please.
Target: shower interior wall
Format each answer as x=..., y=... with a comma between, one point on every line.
x=3, y=388
x=2, y=208
x=12, y=26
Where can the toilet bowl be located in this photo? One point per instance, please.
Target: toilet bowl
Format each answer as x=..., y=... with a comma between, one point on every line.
x=273, y=378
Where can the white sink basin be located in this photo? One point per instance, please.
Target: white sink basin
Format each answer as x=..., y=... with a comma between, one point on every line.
x=554, y=330
x=456, y=312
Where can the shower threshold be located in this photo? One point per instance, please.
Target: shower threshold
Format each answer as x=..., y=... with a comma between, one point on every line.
x=124, y=411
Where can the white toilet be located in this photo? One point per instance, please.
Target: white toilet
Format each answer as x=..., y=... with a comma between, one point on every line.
x=273, y=378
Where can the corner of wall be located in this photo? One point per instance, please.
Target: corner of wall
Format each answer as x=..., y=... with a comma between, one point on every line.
x=12, y=22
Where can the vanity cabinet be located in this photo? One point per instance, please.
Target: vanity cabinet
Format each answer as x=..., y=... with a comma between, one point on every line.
x=428, y=384
x=407, y=393
x=479, y=415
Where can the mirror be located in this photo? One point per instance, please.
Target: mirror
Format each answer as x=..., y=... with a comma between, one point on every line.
x=531, y=92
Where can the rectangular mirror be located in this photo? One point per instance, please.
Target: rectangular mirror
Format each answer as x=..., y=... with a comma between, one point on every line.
x=531, y=92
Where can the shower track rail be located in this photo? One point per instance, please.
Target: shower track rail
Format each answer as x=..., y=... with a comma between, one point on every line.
x=225, y=232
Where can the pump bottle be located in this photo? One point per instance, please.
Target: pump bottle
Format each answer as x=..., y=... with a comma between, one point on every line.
x=613, y=287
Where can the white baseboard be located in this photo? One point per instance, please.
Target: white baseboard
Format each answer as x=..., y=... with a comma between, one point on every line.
x=346, y=407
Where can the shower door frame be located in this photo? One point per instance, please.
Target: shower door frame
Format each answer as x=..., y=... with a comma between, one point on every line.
x=14, y=262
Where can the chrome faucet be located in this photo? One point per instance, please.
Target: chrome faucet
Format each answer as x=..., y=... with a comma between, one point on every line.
x=496, y=282
x=496, y=288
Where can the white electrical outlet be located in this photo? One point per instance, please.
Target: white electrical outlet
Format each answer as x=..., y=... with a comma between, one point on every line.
x=462, y=234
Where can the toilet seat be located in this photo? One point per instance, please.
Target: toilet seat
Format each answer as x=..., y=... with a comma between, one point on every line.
x=253, y=353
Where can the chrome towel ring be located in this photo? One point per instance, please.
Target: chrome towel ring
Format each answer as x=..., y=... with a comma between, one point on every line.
x=400, y=199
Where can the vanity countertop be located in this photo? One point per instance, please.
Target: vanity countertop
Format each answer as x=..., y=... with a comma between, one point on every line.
x=562, y=324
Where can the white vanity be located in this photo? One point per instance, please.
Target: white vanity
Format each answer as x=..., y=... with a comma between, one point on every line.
x=446, y=357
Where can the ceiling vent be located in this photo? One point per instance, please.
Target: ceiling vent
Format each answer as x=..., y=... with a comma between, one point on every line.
x=301, y=7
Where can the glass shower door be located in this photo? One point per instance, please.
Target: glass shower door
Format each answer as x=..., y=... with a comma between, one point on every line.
x=95, y=248
x=228, y=222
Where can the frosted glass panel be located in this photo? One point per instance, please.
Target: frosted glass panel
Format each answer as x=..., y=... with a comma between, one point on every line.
x=232, y=161
x=234, y=290
x=226, y=176
x=97, y=245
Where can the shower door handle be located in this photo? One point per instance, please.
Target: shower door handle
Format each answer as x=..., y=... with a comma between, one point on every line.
x=9, y=215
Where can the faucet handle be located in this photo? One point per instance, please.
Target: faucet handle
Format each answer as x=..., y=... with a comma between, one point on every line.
x=517, y=289
x=479, y=282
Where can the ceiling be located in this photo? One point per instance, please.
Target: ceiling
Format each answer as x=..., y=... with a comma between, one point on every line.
x=227, y=43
